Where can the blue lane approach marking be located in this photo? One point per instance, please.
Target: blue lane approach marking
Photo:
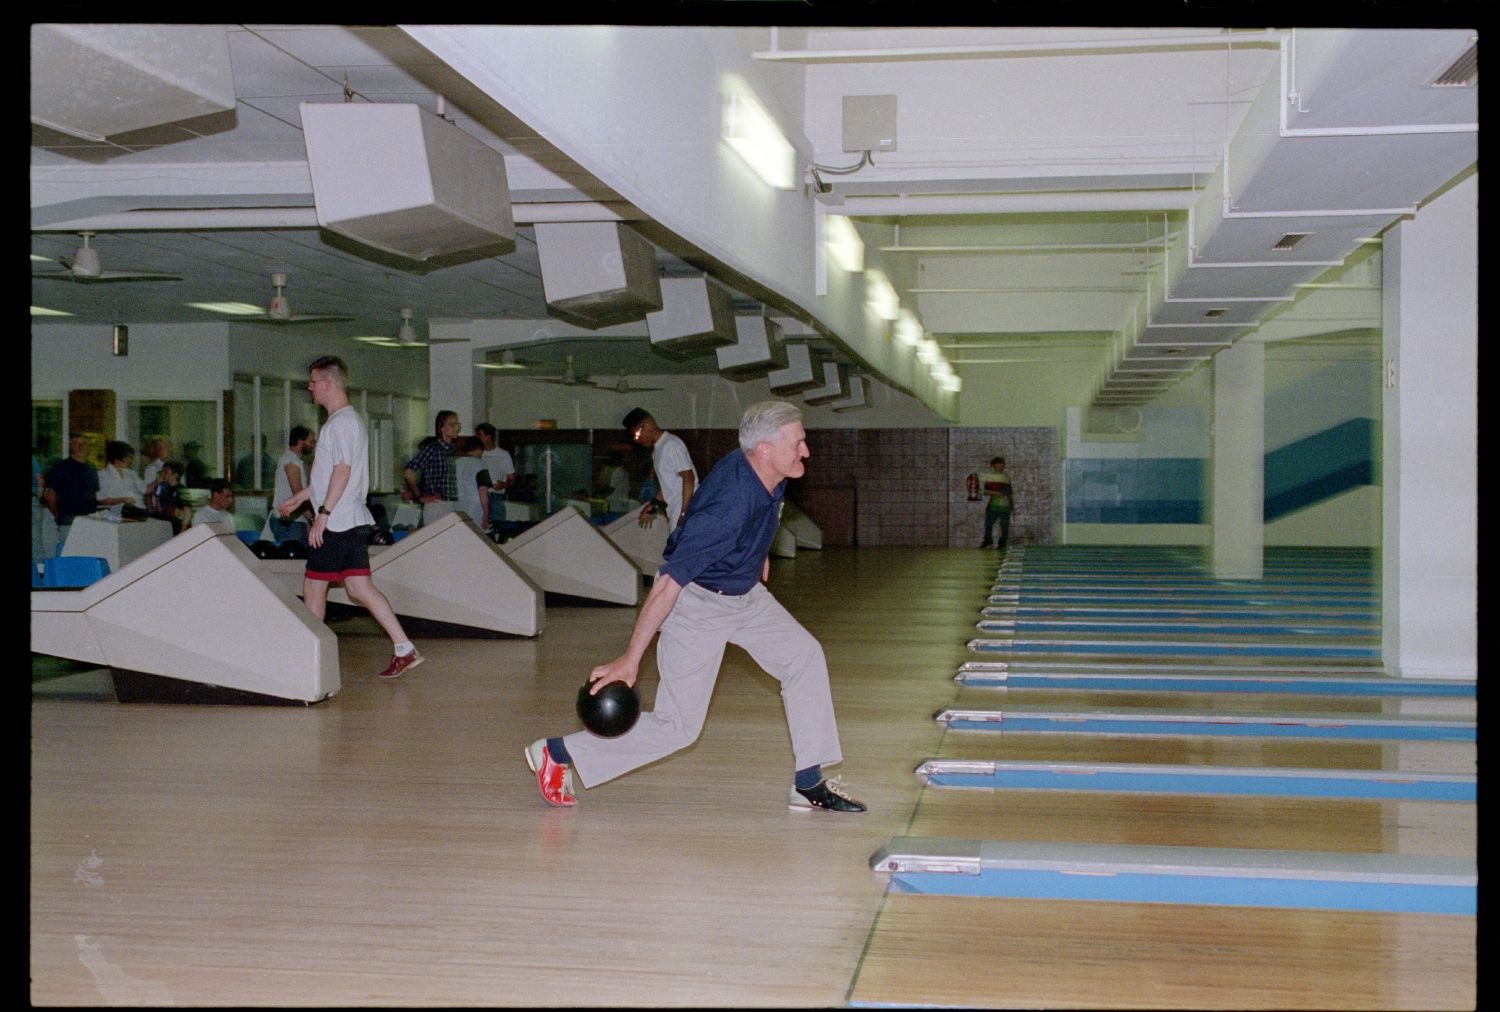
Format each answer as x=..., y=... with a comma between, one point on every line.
x=1132, y=887
x=1243, y=729
x=1208, y=683
x=1331, y=786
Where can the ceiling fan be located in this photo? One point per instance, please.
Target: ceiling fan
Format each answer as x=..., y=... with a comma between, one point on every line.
x=407, y=336
x=280, y=310
x=569, y=378
x=84, y=266
x=508, y=363
x=622, y=385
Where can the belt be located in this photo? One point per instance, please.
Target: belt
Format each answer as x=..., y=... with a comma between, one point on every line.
x=721, y=593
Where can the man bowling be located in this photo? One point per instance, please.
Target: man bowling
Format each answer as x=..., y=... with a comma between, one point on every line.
x=710, y=592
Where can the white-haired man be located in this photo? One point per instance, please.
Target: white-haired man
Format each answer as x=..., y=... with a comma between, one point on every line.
x=710, y=592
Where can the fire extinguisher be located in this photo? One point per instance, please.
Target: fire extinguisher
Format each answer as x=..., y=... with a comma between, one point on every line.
x=973, y=482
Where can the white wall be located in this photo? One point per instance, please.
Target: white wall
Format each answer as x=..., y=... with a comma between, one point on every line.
x=181, y=361
x=1430, y=446
x=642, y=107
x=685, y=402
x=285, y=352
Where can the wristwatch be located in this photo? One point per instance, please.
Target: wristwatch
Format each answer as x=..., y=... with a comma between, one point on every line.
x=325, y=511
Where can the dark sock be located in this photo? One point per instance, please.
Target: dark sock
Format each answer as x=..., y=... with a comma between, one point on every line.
x=809, y=778
x=559, y=751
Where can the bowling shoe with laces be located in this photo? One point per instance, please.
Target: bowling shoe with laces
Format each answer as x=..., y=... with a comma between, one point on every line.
x=553, y=779
x=828, y=795
x=401, y=664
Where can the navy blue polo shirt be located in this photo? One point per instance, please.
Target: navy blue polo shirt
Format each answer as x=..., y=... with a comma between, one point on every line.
x=723, y=541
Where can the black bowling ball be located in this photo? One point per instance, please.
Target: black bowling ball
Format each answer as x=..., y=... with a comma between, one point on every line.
x=263, y=549
x=380, y=537
x=291, y=550
x=611, y=711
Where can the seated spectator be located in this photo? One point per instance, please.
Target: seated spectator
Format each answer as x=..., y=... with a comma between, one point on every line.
x=164, y=500
x=120, y=488
x=220, y=508
x=71, y=486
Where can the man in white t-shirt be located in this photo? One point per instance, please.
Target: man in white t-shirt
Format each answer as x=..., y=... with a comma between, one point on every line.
x=499, y=463
x=220, y=506
x=338, y=540
x=676, y=477
x=291, y=478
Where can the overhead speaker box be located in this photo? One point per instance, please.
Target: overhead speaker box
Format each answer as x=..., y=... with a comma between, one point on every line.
x=405, y=181
x=757, y=350
x=98, y=81
x=798, y=376
x=834, y=388
x=696, y=314
x=597, y=273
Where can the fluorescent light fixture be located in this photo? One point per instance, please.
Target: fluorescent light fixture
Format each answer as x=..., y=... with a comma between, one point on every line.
x=927, y=351
x=752, y=133
x=35, y=257
x=952, y=384
x=39, y=311
x=908, y=329
x=940, y=369
x=380, y=340
x=844, y=243
x=230, y=308
x=880, y=296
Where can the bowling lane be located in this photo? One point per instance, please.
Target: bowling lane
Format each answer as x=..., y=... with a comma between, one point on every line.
x=1051, y=954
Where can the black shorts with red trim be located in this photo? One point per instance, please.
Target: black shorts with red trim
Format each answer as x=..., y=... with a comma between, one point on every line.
x=342, y=554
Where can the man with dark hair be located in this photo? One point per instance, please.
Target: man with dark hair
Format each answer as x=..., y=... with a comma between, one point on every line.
x=709, y=593
x=291, y=478
x=429, y=473
x=220, y=507
x=676, y=477
x=71, y=485
x=339, y=537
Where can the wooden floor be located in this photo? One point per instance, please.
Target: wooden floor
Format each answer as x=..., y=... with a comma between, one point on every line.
x=387, y=847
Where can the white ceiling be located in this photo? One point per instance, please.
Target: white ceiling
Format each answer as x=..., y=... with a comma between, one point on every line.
x=1027, y=240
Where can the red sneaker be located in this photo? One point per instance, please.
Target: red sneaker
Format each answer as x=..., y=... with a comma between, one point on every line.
x=553, y=779
x=400, y=664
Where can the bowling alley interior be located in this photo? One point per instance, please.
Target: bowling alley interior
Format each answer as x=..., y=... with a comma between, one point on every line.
x=1131, y=502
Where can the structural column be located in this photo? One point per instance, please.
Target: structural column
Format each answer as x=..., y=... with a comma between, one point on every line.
x=1430, y=494
x=1238, y=465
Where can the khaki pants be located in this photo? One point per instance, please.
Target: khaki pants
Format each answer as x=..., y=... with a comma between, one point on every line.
x=688, y=654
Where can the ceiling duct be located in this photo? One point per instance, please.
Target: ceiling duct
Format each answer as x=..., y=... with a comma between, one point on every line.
x=597, y=273
x=405, y=181
x=1344, y=137
x=759, y=348
x=798, y=376
x=835, y=387
x=98, y=81
x=696, y=314
x=856, y=398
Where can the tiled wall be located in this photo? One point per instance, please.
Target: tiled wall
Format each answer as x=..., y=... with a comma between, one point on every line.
x=1031, y=456
x=907, y=486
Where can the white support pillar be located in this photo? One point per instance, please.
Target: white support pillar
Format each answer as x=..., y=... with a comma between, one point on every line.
x=1429, y=485
x=1238, y=464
